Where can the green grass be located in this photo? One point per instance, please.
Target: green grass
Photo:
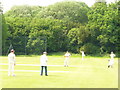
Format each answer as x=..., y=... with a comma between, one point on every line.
x=90, y=73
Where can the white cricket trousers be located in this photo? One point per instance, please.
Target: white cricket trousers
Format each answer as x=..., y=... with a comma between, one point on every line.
x=11, y=68
x=82, y=57
x=66, y=62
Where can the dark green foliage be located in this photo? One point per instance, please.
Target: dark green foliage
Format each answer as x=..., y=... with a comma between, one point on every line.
x=68, y=25
x=50, y=30
x=103, y=25
x=90, y=48
x=4, y=33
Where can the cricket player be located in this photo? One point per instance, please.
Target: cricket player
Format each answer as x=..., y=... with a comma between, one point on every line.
x=67, y=57
x=43, y=61
x=83, y=54
x=11, y=63
x=111, y=61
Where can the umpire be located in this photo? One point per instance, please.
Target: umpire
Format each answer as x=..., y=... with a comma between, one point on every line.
x=43, y=61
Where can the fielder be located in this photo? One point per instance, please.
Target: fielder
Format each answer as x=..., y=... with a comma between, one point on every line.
x=111, y=61
x=83, y=54
x=43, y=61
x=11, y=63
x=67, y=57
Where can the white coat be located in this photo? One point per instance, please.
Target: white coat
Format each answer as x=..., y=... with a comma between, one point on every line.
x=43, y=60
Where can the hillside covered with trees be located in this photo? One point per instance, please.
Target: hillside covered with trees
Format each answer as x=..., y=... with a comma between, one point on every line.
x=64, y=26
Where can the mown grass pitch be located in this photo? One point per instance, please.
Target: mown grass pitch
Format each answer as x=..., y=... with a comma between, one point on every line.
x=90, y=73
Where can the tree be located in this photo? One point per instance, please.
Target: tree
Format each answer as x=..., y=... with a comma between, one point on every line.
x=3, y=31
x=17, y=20
x=103, y=25
x=67, y=10
x=23, y=11
x=0, y=29
x=46, y=29
x=68, y=25
x=78, y=37
x=90, y=49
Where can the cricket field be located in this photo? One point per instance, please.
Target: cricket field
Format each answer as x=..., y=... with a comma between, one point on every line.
x=89, y=73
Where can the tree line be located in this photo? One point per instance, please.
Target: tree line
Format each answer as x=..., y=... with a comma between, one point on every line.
x=64, y=26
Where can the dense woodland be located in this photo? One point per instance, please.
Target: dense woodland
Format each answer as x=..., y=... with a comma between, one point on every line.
x=64, y=26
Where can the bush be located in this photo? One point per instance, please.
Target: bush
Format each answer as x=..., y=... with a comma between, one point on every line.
x=90, y=48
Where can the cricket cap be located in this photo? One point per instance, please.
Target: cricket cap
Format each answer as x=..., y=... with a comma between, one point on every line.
x=44, y=52
x=12, y=50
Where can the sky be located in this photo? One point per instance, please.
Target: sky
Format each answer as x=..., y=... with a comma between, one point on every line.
x=7, y=4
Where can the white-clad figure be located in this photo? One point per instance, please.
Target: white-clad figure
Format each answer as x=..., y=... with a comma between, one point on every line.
x=67, y=57
x=43, y=62
x=83, y=54
x=111, y=61
x=11, y=63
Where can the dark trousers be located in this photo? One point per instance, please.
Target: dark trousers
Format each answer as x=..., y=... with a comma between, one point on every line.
x=42, y=68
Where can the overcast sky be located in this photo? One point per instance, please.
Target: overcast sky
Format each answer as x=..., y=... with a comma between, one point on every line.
x=7, y=4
